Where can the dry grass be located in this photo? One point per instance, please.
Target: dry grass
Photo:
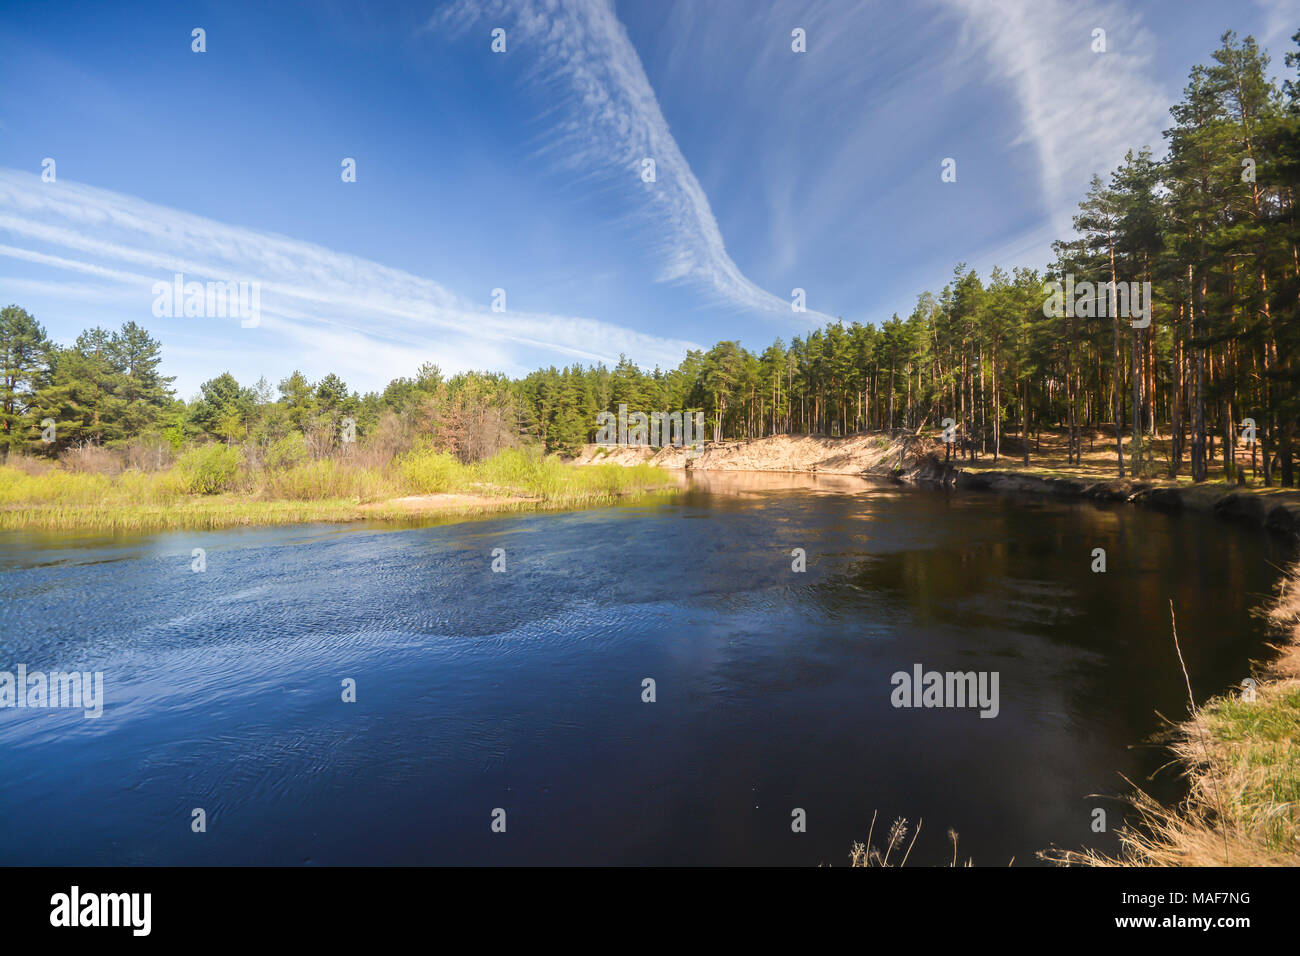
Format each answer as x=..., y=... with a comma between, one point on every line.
x=894, y=854
x=28, y=465
x=89, y=459
x=1186, y=835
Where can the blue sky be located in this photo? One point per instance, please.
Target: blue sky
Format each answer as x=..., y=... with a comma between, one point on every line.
x=522, y=171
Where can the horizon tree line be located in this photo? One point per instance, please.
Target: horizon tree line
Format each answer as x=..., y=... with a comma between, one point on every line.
x=1212, y=227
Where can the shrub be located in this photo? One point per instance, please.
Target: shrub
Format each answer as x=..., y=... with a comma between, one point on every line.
x=88, y=459
x=209, y=469
x=147, y=487
x=522, y=471
x=325, y=479
x=287, y=452
x=148, y=453
x=26, y=464
x=428, y=472
x=55, y=486
x=386, y=440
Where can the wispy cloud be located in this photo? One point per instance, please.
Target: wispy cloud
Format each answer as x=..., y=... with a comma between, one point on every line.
x=1281, y=20
x=609, y=121
x=347, y=312
x=1081, y=110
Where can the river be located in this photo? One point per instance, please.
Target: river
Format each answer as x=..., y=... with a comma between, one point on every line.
x=522, y=690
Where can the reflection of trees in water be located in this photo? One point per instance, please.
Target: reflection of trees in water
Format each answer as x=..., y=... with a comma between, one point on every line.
x=1011, y=589
x=741, y=482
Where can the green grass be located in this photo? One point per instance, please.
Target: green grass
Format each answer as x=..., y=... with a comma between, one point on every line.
x=1242, y=761
x=1256, y=747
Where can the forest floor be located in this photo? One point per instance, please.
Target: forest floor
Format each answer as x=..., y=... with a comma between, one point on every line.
x=1244, y=499
x=1048, y=458
x=876, y=451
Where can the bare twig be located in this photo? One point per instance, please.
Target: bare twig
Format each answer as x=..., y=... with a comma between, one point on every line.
x=913, y=843
x=1200, y=732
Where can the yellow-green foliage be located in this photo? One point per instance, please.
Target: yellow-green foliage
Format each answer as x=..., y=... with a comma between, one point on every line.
x=530, y=474
x=80, y=489
x=327, y=478
x=287, y=451
x=617, y=480
x=17, y=487
x=209, y=469
x=210, y=486
x=521, y=472
x=190, y=511
x=428, y=472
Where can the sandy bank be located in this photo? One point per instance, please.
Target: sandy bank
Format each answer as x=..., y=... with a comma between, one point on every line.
x=449, y=502
x=873, y=454
x=913, y=460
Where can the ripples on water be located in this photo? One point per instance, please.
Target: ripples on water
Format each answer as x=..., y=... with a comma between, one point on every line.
x=523, y=690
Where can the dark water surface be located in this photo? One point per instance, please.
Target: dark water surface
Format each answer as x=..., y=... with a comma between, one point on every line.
x=522, y=690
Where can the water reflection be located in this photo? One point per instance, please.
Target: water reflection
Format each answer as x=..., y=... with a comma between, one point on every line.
x=523, y=690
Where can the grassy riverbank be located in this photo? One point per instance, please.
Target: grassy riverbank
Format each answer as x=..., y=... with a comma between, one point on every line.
x=213, y=487
x=1241, y=758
